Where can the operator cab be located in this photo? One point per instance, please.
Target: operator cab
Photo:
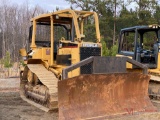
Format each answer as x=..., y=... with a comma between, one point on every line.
x=141, y=43
x=60, y=36
x=43, y=35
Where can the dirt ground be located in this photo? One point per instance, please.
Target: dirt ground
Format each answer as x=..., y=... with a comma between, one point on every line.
x=12, y=107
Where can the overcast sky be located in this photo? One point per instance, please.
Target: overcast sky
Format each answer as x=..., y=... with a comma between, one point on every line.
x=48, y=5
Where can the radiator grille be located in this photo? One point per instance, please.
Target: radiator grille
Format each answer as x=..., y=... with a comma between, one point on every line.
x=86, y=52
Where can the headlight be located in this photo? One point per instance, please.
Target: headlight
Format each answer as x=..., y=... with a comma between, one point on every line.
x=24, y=58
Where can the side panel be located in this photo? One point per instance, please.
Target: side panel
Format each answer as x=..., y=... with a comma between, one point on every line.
x=74, y=52
x=43, y=54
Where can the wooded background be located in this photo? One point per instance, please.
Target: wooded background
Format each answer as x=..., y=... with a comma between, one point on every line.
x=113, y=15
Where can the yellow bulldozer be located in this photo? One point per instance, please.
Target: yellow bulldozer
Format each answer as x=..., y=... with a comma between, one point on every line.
x=142, y=43
x=64, y=70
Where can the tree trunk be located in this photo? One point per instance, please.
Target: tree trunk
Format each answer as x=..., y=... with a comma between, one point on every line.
x=114, y=31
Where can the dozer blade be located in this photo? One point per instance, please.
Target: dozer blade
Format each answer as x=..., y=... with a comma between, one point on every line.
x=100, y=96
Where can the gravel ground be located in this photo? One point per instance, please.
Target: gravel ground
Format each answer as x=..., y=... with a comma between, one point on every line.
x=12, y=107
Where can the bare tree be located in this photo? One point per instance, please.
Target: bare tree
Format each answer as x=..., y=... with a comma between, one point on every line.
x=14, y=26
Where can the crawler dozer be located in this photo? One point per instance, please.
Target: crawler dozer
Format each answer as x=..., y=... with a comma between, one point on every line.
x=64, y=70
x=142, y=43
x=57, y=40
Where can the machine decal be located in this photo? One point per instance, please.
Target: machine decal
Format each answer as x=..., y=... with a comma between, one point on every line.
x=47, y=51
x=89, y=45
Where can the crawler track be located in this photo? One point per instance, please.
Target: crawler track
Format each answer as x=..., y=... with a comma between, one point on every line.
x=154, y=88
x=44, y=91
